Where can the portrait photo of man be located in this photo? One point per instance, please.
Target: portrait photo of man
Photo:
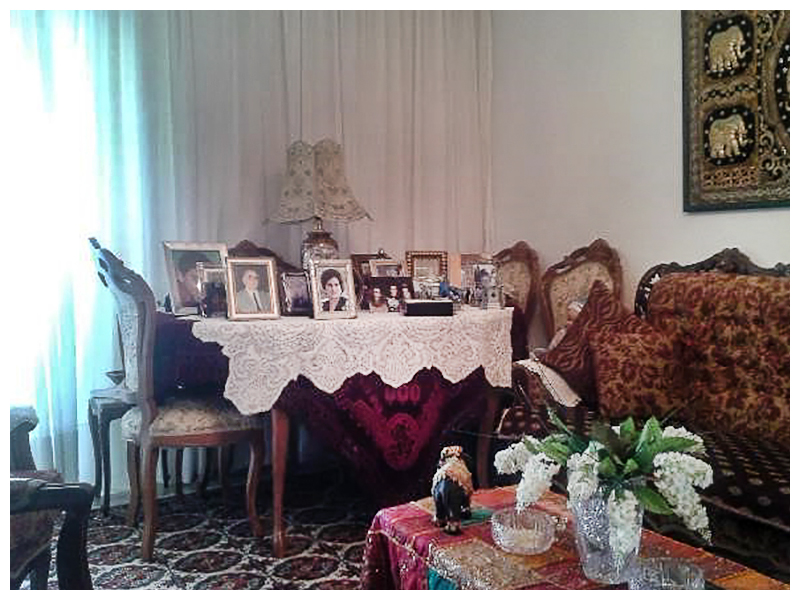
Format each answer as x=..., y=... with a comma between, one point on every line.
x=252, y=288
x=251, y=297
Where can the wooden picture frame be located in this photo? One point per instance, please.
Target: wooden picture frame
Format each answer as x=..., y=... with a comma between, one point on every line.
x=426, y=264
x=181, y=258
x=361, y=266
x=386, y=267
x=736, y=109
x=328, y=302
x=252, y=288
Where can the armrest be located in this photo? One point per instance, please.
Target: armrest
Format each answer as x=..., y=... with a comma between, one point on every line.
x=75, y=499
x=23, y=420
x=537, y=374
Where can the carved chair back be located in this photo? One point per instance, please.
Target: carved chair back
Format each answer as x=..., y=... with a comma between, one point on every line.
x=518, y=270
x=729, y=260
x=571, y=279
x=136, y=312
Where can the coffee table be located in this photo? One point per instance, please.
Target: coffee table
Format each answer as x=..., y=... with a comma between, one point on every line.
x=405, y=550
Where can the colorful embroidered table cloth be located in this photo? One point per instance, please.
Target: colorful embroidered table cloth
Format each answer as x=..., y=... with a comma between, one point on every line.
x=405, y=550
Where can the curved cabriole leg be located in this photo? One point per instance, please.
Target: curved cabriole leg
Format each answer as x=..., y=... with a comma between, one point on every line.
x=134, y=485
x=149, y=462
x=280, y=441
x=98, y=463
x=223, y=454
x=40, y=570
x=253, y=475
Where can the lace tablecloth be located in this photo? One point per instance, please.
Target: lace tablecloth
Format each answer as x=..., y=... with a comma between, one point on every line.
x=264, y=356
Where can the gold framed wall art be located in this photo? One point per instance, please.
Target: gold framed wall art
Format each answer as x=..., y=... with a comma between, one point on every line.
x=736, y=109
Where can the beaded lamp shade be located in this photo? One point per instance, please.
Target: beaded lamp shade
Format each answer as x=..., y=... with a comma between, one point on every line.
x=316, y=188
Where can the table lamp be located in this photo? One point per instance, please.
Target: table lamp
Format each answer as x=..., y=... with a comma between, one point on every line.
x=315, y=187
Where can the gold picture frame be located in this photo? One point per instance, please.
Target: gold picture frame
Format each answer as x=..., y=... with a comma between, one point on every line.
x=423, y=264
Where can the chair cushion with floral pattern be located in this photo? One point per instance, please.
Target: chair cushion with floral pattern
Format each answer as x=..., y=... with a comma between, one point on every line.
x=191, y=417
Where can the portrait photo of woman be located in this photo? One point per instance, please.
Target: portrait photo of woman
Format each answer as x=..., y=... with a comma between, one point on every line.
x=333, y=289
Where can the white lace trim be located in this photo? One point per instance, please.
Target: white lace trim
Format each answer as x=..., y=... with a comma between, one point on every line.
x=266, y=355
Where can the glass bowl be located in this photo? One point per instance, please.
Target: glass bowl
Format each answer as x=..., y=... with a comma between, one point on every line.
x=526, y=532
x=665, y=574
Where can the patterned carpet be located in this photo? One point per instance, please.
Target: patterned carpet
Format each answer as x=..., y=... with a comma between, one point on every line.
x=204, y=544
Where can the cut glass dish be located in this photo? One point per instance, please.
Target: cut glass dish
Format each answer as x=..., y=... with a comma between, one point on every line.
x=526, y=532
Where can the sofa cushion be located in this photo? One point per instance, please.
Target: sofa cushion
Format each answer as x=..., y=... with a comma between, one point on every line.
x=637, y=374
x=572, y=358
x=736, y=329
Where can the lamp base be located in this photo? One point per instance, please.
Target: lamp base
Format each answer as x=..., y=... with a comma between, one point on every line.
x=318, y=245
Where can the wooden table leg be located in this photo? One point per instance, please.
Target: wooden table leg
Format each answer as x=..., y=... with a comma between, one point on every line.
x=280, y=442
x=485, y=437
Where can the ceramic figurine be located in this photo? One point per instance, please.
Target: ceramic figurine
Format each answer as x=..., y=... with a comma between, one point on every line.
x=452, y=490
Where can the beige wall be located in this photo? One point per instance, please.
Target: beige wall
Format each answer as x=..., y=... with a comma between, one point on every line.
x=588, y=143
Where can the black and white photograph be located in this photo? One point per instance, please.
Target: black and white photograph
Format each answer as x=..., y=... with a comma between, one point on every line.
x=333, y=289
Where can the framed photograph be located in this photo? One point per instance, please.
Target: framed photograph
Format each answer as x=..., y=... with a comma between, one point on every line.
x=333, y=291
x=736, y=109
x=426, y=264
x=387, y=294
x=468, y=263
x=213, y=285
x=295, y=294
x=252, y=288
x=385, y=267
x=185, y=287
x=361, y=264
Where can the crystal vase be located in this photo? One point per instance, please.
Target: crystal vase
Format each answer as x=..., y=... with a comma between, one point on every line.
x=593, y=536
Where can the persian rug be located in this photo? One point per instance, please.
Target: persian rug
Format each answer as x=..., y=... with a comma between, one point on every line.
x=207, y=544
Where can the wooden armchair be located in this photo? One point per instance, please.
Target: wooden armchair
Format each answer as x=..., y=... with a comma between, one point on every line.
x=36, y=498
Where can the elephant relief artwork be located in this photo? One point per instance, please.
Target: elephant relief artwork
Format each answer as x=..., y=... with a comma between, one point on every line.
x=726, y=49
x=736, y=109
x=727, y=137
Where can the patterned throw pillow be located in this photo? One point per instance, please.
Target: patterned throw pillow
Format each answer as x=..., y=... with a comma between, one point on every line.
x=637, y=374
x=572, y=357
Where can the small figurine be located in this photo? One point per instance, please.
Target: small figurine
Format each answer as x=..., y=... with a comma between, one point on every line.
x=452, y=490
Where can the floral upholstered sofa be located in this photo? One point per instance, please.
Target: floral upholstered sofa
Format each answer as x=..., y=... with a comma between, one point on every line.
x=707, y=347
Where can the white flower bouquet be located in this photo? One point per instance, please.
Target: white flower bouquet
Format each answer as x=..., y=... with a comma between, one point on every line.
x=654, y=467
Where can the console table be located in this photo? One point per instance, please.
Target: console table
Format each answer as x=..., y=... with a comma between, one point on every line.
x=379, y=387
x=405, y=550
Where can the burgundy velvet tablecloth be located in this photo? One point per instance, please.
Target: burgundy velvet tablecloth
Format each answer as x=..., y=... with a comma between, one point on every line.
x=390, y=437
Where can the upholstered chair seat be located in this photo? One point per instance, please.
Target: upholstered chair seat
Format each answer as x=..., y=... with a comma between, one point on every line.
x=190, y=417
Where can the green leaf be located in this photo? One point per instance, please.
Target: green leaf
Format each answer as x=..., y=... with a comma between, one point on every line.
x=652, y=501
x=531, y=445
x=651, y=433
x=556, y=451
x=627, y=432
x=558, y=422
x=630, y=467
x=672, y=444
x=606, y=436
x=606, y=468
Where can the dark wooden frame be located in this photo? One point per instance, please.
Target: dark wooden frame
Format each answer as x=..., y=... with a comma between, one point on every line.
x=598, y=251
x=736, y=113
x=729, y=260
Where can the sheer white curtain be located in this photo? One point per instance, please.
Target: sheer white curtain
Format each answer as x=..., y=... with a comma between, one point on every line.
x=74, y=172
x=137, y=127
x=407, y=93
